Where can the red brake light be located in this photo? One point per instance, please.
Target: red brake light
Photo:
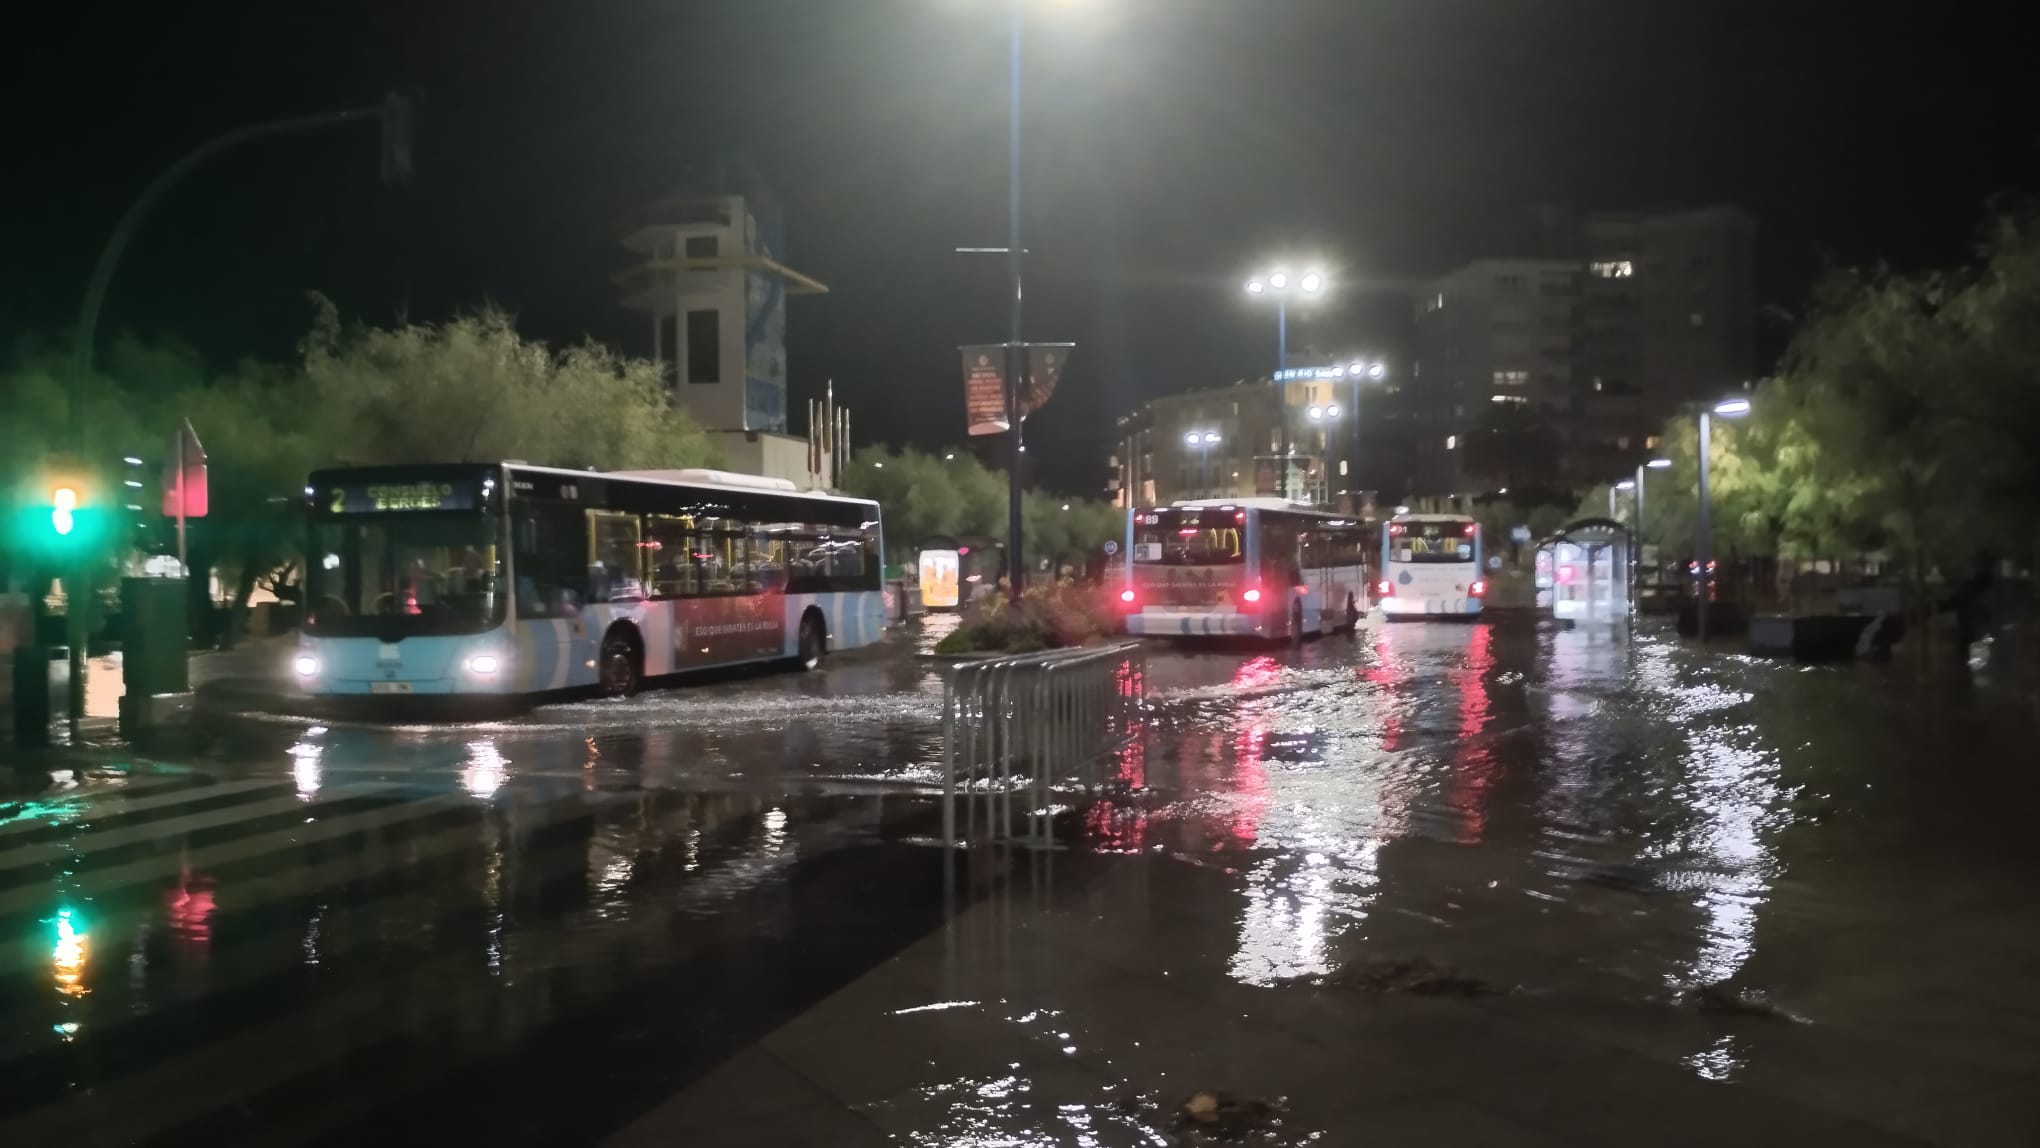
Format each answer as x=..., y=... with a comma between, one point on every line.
x=1385, y=588
x=1469, y=528
x=1126, y=595
x=1478, y=588
x=1251, y=596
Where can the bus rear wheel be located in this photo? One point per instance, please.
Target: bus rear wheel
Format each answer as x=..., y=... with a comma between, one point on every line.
x=1296, y=622
x=622, y=667
x=813, y=642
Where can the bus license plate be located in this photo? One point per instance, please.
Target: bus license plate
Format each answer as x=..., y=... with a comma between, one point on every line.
x=389, y=687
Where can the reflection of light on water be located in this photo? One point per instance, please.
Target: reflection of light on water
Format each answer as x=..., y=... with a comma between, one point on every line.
x=311, y=941
x=1732, y=788
x=304, y=766
x=1282, y=928
x=1721, y=1062
x=67, y=959
x=614, y=876
x=486, y=768
x=775, y=829
x=67, y=1030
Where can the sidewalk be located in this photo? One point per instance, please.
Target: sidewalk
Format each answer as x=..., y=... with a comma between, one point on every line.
x=1086, y=1010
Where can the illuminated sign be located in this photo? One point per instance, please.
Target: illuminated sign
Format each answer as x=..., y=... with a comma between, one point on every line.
x=389, y=497
x=939, y=570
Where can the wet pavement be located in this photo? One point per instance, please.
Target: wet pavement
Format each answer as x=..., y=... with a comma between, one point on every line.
x=1488, y=884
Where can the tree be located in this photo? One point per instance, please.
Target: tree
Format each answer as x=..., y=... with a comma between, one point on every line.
x=472, y=389
x=928, y=496
x=467, y=390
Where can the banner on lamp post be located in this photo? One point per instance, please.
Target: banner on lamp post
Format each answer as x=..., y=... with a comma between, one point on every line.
x=984, y=382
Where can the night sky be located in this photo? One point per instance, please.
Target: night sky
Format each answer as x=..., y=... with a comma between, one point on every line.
x=1173, y=146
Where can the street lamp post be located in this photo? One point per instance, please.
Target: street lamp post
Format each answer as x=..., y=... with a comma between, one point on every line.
x=1276, y=284
x=1637, y=564
x=1016, y=352
x=1729, y=409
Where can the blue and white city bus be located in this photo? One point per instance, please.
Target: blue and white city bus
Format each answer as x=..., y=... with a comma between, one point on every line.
x=506, y=579
x=1259, y=568
x=1430, y=567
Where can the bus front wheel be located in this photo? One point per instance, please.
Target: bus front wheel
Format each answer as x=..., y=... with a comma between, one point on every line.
x=622, y=663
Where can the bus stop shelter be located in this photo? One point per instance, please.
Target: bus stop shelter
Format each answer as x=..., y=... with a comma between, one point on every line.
x=1583, y=572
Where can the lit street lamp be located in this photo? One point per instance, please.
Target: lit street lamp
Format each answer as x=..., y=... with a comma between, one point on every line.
x=1728, y=409
x=1276, y=284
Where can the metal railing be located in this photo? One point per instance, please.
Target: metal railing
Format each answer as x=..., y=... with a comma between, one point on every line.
x=1015, y=727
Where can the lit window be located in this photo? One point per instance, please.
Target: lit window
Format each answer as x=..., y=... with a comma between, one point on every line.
x=1511, y=378
x=1599, y=385
x=1514, y=399
x=1613, y=268
x=1622, y=443
x=1699, y=320
x=1438, y=301
x=1651, y=442
x=1451, y=442
x=1342, y=468
x=1416, y=370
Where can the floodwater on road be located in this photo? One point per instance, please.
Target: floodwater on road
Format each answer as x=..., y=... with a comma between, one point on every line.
x=547, y=925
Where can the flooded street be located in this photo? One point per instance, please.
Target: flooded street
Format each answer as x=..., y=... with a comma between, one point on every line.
x=1454, y=884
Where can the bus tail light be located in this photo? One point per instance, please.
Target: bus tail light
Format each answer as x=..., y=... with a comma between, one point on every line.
x=1478, y=588
x=1250, y=596
x=1384, y=589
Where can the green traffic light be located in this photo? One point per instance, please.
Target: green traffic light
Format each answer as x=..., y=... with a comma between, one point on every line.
x=63, y=500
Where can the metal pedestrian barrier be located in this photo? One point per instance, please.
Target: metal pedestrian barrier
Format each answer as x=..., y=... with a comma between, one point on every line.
x=1015, y=728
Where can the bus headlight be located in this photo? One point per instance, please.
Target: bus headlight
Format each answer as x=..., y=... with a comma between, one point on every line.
x=306, y=666
x=482, y=664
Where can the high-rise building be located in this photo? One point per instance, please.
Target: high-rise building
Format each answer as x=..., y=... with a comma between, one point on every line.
x=1563, y=370
x=716, y=294
x=1496, y=349
x=1667, y=319
x=710, y=280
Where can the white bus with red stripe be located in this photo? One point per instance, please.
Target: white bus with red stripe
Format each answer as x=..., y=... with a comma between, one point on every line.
x=1430, y=567
x=1256, y=568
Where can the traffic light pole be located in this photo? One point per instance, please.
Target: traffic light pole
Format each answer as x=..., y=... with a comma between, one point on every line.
x=393, y=114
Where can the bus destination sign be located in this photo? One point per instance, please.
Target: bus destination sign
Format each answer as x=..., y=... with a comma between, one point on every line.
x=387, y=497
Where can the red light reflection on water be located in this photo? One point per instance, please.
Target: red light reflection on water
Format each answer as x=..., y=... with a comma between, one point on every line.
x=1249, y=781
x=1381, y=673
x=1474, y=768
x=188, y=910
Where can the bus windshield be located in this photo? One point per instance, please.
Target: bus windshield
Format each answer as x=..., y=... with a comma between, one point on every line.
x=393, y=577
x=1189, y=537
x=1417, y=541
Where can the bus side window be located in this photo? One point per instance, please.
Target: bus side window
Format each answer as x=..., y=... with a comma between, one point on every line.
x=616, y=561
x=550, y=554
x=768, y=562
x=669, y=548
